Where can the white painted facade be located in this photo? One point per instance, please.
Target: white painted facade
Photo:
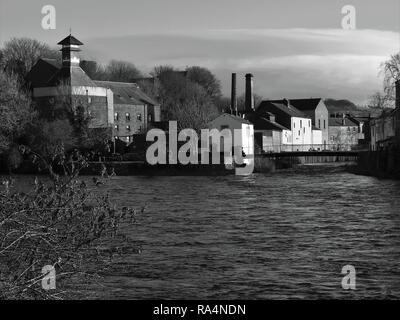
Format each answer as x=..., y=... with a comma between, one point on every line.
x=300, y=137
x=317, y=139
x=244, y=136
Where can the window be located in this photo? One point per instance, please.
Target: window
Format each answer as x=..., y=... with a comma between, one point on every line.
x=301, y=123
x=89, y=100
x=319, y=123
x=116, y=117
x=304, y=129
x=150, y=117
x=139, y=117
x=309, y=123
x=299, y=132
x=294, y=124
x=128, y=128
x=224, y=127
x=324, y=124
x=116, y=127
x=127, y=116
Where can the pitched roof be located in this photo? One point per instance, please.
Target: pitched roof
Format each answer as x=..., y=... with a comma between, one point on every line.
x=270, y=105
x=302, y=104
x=42, y=72
x=74, y=76
x=236, y=118
x=290, y=110
x=70, y=40
x=338, y=122
x=127, y=93
x=261, y=123
x=54, y=62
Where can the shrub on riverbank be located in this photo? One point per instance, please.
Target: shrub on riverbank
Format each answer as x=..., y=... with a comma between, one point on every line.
x=57, y=222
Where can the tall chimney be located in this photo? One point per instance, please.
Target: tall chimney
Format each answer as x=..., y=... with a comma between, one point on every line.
x=234, y=109
x=397, y=84
x=249, y=99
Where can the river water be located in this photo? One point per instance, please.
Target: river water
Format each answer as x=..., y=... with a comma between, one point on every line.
x=279, y=236
x=285, y=235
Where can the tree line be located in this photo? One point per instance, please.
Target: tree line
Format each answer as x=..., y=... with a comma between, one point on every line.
x=191, y=96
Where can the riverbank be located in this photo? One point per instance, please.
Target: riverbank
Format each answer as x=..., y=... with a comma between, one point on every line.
x=382, y=164
x=141, y=168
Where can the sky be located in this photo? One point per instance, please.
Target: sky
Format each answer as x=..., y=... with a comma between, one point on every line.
x=295, y=49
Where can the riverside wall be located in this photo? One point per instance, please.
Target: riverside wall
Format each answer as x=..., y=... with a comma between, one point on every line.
x=384, y=163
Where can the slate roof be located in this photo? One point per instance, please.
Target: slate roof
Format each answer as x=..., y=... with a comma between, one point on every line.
x=261, y=123
x=291, y=111
x=338, y=122
x=70, y=40
x=302, y=104
x=236, y=118
x=42, y=71
x=74, y=76
x=127, y=93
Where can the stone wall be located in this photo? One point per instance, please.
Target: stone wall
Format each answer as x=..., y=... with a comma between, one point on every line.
x=383, y=163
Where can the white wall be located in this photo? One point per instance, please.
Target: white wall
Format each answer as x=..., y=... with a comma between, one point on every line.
x=301, y=131
x=226, y=121
x=317, y=138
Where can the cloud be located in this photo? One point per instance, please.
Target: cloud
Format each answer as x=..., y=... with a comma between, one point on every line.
x=321, y=62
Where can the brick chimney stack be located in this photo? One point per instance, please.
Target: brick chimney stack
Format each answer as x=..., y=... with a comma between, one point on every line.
x=249, y=99
x=234, y=109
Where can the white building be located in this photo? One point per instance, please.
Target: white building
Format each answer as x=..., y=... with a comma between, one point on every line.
x=243, y=138
x=298, y=135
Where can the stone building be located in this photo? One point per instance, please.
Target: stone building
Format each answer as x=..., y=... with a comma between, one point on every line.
x=344, y=133
x=134, y=111
x=121, y=107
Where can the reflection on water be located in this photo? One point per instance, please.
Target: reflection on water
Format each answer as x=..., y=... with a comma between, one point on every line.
x=285, y=235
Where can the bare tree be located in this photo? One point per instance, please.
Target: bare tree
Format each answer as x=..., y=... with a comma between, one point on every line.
x=20, y=54
x=378, y=101
x=121, y=71
x=391, y=71
x=15, y=111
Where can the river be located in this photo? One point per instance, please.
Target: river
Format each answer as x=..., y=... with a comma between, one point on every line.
x=280, y=236
x=285, y=235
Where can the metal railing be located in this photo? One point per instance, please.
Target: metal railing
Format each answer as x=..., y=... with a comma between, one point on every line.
x=308, y=147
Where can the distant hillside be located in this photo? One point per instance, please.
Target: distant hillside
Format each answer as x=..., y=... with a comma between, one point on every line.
x=340, y=105
x=346, y=106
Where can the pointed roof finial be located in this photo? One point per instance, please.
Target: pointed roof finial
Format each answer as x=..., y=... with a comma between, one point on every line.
x=70, y=31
